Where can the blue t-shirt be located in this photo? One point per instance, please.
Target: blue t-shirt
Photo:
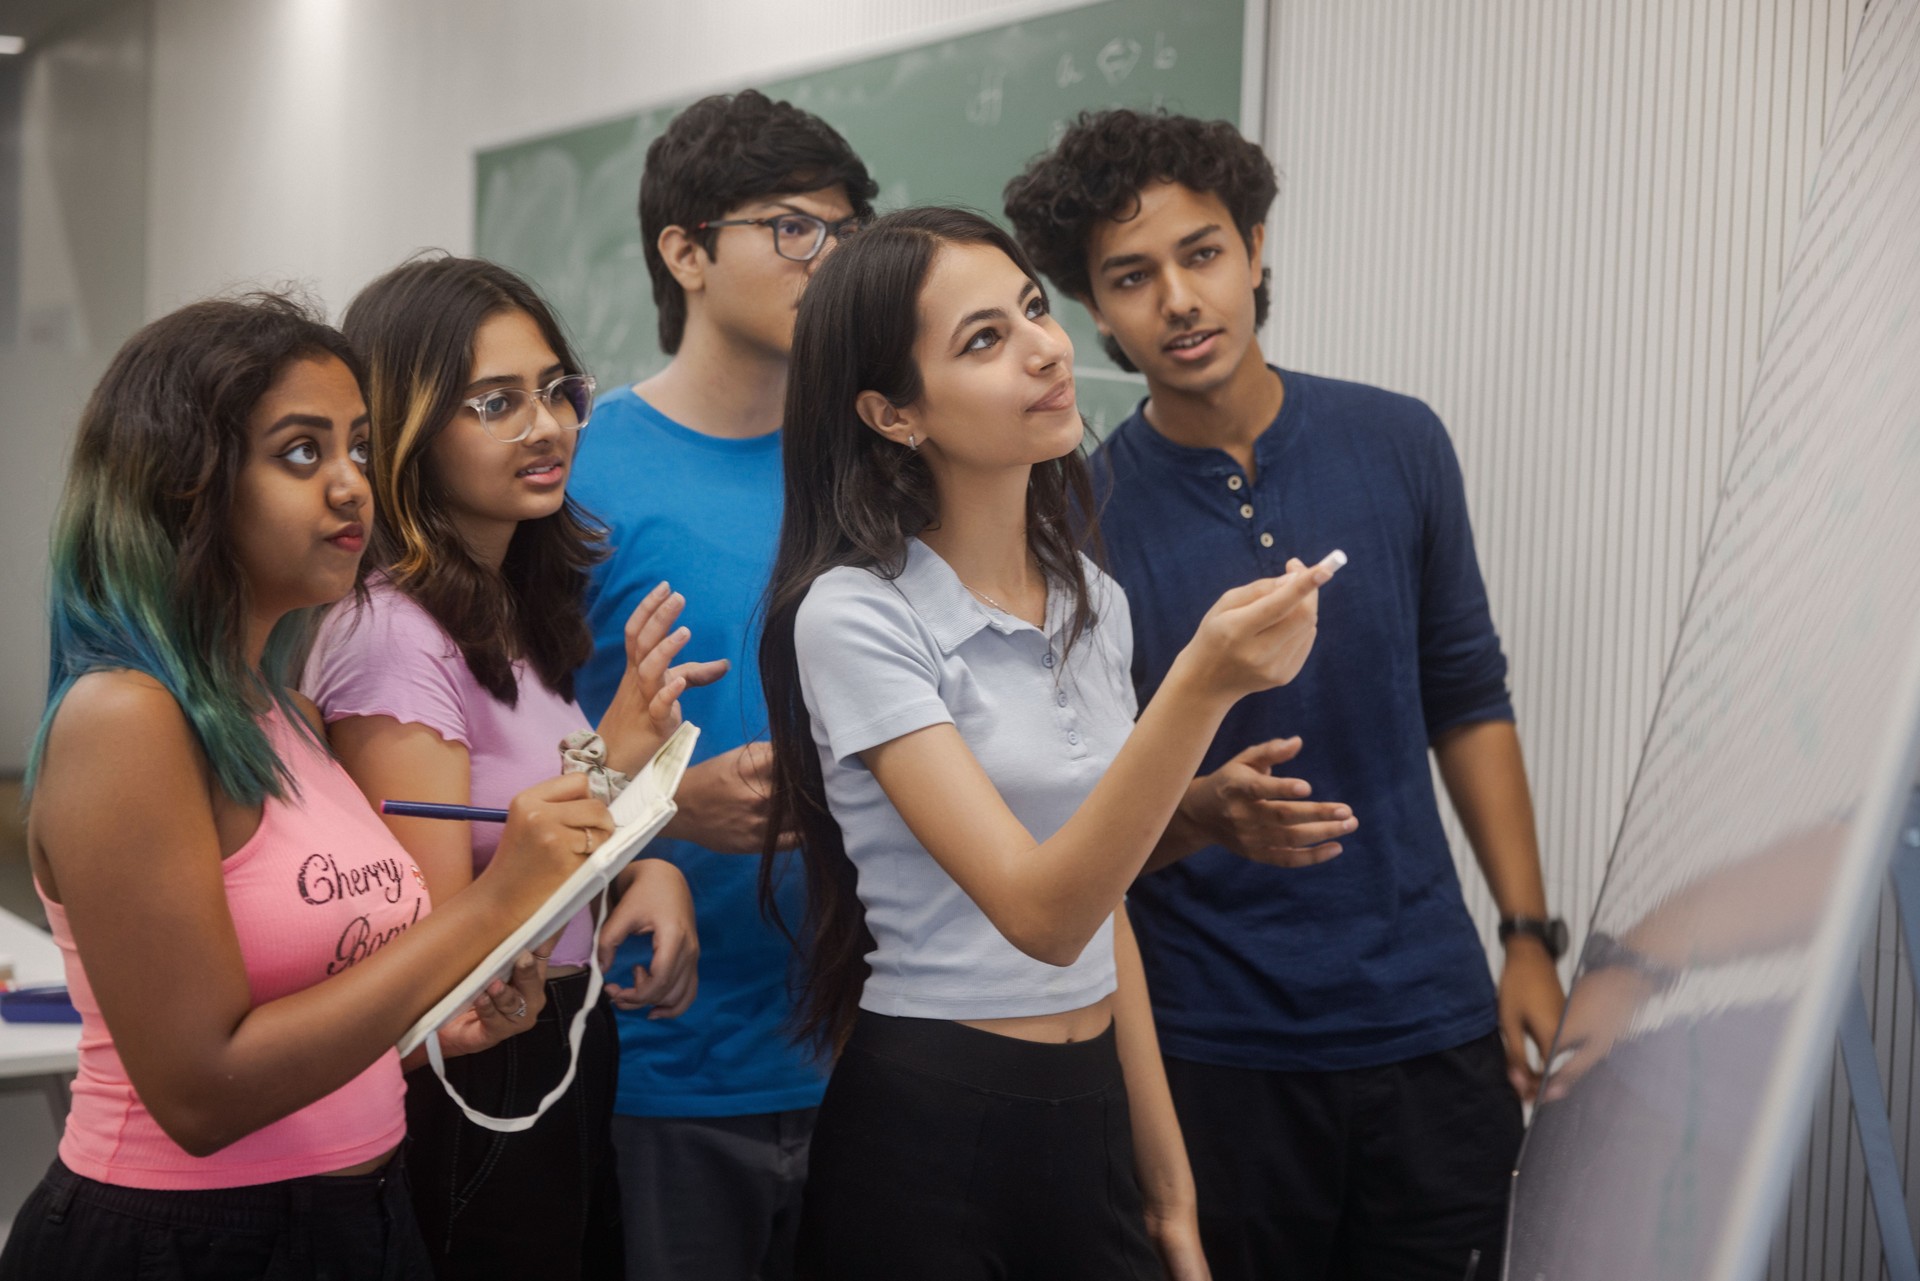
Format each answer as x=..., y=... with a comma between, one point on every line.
x=703, y=513
x=1371, y=957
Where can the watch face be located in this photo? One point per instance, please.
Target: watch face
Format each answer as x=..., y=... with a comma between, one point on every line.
x=1551, y=933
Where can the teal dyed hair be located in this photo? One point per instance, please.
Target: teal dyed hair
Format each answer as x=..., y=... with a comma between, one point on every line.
x=144, y=575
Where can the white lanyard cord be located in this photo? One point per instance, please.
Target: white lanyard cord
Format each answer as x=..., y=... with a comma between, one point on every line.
x=515, y=1124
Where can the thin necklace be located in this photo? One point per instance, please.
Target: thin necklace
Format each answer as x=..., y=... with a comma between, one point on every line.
x=983, y=596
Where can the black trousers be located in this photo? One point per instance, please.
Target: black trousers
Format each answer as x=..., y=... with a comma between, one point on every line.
x=541, y=1203
x=321, y=1228
x=945, y=1153
x=1393, y=1173
x=713, y=1197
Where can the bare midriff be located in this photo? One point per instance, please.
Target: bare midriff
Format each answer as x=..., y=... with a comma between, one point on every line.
x=1064, y=1028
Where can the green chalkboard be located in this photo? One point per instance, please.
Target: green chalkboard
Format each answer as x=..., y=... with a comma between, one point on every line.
x=945, y=123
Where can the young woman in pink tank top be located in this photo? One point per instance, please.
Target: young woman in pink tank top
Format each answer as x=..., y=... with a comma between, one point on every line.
x=244, y=939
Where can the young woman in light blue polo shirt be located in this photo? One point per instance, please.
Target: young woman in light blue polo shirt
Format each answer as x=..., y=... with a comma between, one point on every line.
x=956, y=743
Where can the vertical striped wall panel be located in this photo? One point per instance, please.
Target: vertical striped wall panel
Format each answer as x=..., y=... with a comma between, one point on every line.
x=1564, y=226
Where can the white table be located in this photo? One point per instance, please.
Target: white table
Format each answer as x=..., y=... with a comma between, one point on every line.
x=36, y=1056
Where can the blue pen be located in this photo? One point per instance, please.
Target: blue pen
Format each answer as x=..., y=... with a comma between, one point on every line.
x=432, y=809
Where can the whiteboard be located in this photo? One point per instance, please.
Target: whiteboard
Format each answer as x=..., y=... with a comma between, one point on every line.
x=1758, y=831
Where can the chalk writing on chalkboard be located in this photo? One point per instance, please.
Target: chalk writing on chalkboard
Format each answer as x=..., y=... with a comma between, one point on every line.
x=948, y=122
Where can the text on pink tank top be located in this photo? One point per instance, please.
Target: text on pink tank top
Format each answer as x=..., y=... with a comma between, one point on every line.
x=319, y=887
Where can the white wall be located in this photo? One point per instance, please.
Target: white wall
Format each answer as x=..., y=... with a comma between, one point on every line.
x=1564, y=227
x=83, y=131
x=323, y=140
x=175, y=148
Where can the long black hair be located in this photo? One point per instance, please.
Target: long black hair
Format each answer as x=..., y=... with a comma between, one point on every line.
x=854, y=497
x=415, y=328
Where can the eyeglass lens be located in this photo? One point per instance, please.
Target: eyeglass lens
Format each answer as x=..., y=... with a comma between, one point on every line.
x=507, y=413
x=801, y=236
x=798, y=236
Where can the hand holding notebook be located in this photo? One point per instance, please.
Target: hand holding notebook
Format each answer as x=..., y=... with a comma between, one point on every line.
x=638, y=813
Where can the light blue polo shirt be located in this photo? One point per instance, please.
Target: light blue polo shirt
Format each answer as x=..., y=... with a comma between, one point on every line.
x=881, y=658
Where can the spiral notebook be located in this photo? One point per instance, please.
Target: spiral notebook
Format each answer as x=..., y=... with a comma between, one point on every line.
x=638, y=814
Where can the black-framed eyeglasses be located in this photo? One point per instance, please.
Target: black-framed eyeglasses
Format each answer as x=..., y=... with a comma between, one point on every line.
x=507, y=412
x=796, y=236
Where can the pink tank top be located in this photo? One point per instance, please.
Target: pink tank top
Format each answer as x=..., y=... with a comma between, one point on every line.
x=318, y=888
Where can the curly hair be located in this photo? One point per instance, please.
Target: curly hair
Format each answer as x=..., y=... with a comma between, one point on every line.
x=722, y=152
x=1097, y=171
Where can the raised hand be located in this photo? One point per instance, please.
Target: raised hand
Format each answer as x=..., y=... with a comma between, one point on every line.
x=1258, y=635
x=646, y=707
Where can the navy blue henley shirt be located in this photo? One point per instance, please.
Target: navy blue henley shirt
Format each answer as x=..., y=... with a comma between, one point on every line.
x=1369, y=958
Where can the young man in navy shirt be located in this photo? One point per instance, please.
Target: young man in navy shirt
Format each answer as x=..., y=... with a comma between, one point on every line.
x=1348, y=1077
x=741, y=199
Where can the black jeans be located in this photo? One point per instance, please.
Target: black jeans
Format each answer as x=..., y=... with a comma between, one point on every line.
x=320, y=1228
x=945, y=1153
x=1391, y=1173
x=541, y=1203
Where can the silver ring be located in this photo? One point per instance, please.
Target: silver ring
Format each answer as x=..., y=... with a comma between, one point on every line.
x=520, y=1013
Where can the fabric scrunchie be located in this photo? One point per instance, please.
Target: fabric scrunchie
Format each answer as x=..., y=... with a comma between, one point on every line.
x=585, y=752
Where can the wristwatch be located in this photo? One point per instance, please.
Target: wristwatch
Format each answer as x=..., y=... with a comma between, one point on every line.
x=1552, y=932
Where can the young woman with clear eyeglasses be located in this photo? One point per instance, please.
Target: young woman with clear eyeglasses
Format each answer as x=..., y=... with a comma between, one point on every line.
x=454, y=681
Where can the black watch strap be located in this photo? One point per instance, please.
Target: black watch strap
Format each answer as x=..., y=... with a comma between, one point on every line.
x=1551, y=932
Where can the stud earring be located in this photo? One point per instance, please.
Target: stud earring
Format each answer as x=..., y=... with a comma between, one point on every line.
x=910, y=443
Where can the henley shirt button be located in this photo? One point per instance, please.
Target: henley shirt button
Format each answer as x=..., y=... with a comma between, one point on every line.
x=1233, y=482
x=1048, y=660
x=1246, y=510
x=1266, y=540
x=1073, y=737
x=1060, y=698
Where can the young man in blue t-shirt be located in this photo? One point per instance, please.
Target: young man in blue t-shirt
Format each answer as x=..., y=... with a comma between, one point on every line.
x=1346, y=1074
x=741, y=199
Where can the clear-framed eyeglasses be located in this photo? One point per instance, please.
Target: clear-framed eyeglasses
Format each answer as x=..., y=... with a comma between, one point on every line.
x=797, y=236
x=507, y=412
